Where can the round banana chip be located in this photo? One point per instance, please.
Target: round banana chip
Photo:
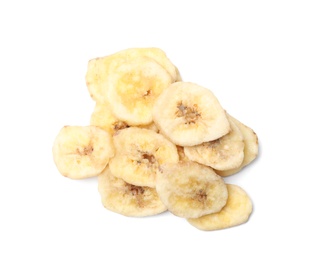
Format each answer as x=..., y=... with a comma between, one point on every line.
x=250, y=148
x=139, y=153
x=235, y=212
x=190, y=190
x=189, y=114
x=82, y=151
x=222, y=154
x=127, y=199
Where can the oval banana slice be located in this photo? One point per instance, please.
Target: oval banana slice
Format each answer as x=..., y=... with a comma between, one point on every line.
x=189, y=114
x=82, y=151
x=133, y=88
x=99, y=69
x=237, y=211
x=139, y=154
x=250, y=148
x=190, y=190
x=127, y=199
x=222, y=154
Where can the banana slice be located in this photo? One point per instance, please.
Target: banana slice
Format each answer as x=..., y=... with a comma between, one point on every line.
x=250, y=148
x=139, y=154
x=127, y=199
x=237, y=211
x=191, y=190
x=99, y=69
x=182, y=156
x=189, y=114
x=82, y=151
x=133, y=88
x=104, y=118
x=222, y=154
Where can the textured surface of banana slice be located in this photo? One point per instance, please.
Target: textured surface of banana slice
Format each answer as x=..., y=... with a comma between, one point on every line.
x=191, y=190
x=133, y=88
x=250, y=148
x=99, y=69
x=82, y=151
x=139, y=154
x=189, y=114
x=222, y=154
x=237, y=211
x=127, y=199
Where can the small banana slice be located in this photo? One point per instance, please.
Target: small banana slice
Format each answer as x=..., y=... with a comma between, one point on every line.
x=182, y=155
x=82, y=151
x=222, y=154
x=139, y=154
x=250, y=148
x=104, y=118
x=127, y=199
x=191, y=190
x=99, y=69
x=133, y=88
x=189, y=114
x=237, y=211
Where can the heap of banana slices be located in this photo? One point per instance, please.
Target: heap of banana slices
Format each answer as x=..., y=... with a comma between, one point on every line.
x=158, y=143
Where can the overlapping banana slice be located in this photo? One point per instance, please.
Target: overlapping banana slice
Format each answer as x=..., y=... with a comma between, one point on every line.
x=221, y=154
x=127, y=199
x=139, y=153
x=235, y=212
x=82, y=151
x=191, y=190
x=189, y=114
x=250, y=148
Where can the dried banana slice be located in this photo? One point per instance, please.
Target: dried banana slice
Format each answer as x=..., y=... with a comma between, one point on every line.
x=99, y=69
x=222, y=154
x=237, y=211
x=250, y=148
x=190, y=190
x=139, y=154
x=82, y=151
x=127, y=199
x=189, y=114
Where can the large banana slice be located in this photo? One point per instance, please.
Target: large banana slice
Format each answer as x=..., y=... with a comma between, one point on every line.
x=221, y=154
x=189, y=114
x=235, y=212
x=127, y=199
x=139, y=154
x=82, y=151
x=133, y=88
x=250, y=148
x=99, y=69
x=191, y=190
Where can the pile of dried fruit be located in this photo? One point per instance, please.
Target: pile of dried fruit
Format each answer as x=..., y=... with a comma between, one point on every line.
x=157, y=143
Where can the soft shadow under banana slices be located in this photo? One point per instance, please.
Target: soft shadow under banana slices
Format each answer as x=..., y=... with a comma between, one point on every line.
x=139, y=153
x=127, y=199
x=237, y=211
x=222, y=154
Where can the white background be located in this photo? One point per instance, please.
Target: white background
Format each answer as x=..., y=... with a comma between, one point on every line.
x=256, y=56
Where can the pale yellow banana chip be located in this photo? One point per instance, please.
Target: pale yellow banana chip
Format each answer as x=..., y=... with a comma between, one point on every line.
x=222, y=154
x=189, y=114
x=139, y=154
x=82, y=151
x=237, y=211
x=100, y=68
x=190, y=190
x=127, y=199
x=250, y=148
x=133, y=88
